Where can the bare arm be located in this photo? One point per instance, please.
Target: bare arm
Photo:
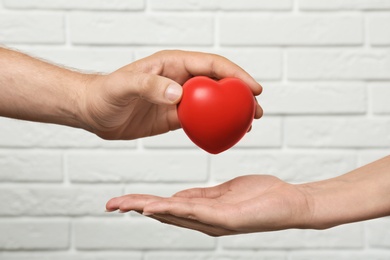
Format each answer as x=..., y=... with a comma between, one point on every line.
x=38, y=91
x=359, y=195
x=134, y=101
x=257, y=203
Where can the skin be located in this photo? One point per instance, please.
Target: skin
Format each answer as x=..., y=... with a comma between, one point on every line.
x=257, y=203
x=135, y=101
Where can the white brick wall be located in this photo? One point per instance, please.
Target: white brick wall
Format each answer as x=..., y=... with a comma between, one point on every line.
x=325, y=69
x=34, y=27
x=290, y=29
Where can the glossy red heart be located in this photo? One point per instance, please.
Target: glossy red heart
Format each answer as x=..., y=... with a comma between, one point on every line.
x=215, y=115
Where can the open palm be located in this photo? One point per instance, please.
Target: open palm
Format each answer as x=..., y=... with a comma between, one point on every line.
x=251, y=203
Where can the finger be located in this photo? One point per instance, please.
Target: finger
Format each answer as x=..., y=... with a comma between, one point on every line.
x=113, y=204
x=193, y=224
x=216, y=66
x=153, y=88
x=137, y=202
x=204, y=213
x=258, y=110
x=170, y=63
x=157, y=89
x=131, y=202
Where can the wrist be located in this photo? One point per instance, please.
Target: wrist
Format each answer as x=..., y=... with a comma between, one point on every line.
x=305, y=218
x=79, y=113
x=318, y=210
x=333, y=202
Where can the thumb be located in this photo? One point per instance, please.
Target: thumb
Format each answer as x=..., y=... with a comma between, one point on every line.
x=156, y=89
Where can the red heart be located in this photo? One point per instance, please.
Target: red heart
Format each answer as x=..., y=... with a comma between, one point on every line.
x=215, y=115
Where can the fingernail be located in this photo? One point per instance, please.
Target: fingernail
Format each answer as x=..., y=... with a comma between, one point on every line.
x=173, y=92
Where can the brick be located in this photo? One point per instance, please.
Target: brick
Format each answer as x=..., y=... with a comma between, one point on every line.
x=31, y=28
x=174, y=139
x=37, y=255
x=55, y=201
x=184, y=5
x=378, y=29
x=136, y=234
x=313, y=98
x=289, y=166
x=261, y=64
x=342, y=237
x=34, y=234
x=74, y=4
x=250, y=5
x=342, y=132
x=30, y=166
x=13, y=133
x=338, y=64
x=266, y=132
x=116, y=166
x=378, y=233
x=255, y=29
x=359, y=255
x=120, y=29
x=163, y=190
x=379, y=97
x=86, y=59
x=207, y=5
x=336, y=5
x=215, y=256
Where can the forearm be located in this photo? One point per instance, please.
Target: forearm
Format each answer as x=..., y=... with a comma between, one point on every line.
x=38, y=91
x=359, y=195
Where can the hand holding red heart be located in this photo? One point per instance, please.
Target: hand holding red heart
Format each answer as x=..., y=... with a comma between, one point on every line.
x=140, y=99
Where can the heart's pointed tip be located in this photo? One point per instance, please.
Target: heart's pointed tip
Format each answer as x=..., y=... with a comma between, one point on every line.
x=215, y=152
